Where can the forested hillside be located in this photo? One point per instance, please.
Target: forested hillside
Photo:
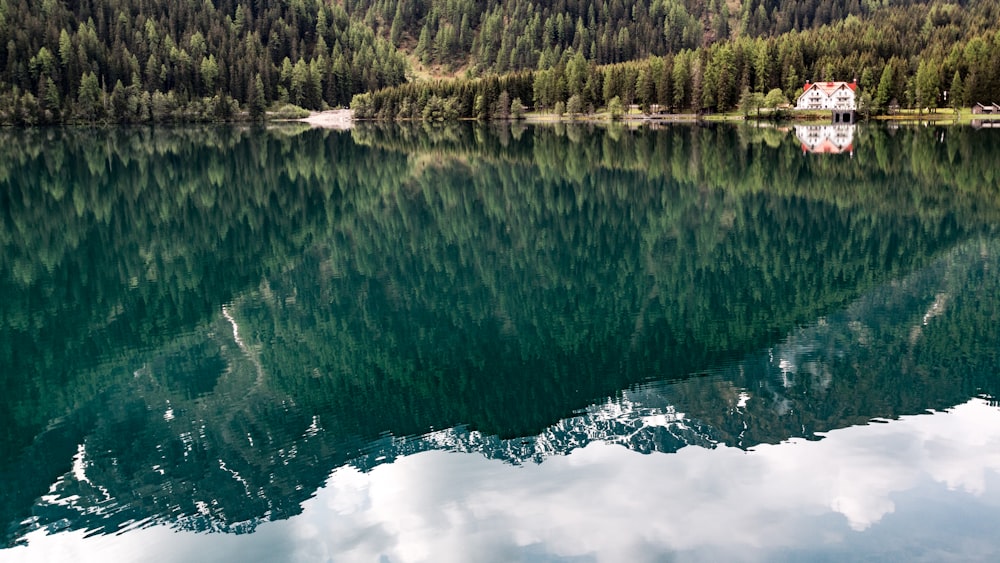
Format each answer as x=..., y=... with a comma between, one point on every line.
x=905, y=55
x=142, y=60
x=136, y=60
x=501, y=35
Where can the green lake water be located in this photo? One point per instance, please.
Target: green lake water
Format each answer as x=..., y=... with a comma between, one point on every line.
x=474, y=343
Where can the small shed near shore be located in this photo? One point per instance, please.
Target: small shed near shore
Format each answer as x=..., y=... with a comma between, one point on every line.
x=981, y=108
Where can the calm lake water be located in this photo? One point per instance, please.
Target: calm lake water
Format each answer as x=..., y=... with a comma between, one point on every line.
x=500, y=344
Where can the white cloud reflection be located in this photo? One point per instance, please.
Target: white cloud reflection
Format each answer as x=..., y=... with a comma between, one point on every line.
x=923, y=486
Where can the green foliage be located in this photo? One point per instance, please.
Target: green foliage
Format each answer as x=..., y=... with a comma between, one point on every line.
x=866, y=104
x=927, y=85
x=956, y=96
x=695, y=56
x=90, y=101
x=616, y=109
x=189, y=53
x=516, y=109
x=209, y=73
x=362, y=106
x=502, y=106
x=439, y=109
x=751, y=102
x=257, y=101
x=885, y=87
x=775, y=98
x=480, y=108
x=574, y=105
x=482, y=98
x=713, y=77
x=290, y=111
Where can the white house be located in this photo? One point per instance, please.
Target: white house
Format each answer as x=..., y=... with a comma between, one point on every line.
x=827, y=95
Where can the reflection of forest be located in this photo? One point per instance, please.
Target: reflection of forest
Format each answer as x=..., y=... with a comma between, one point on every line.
x=402, y=280
x=890, y=353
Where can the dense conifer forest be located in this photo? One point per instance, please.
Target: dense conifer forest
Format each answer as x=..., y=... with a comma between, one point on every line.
x=902, y=54
x=137, y=60
x=149, y=60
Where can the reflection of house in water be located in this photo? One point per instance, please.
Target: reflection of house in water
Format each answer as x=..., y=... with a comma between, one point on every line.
x=826, y=139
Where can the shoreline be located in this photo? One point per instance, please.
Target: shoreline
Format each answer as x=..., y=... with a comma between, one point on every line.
x=338, y=119
x=343, y=119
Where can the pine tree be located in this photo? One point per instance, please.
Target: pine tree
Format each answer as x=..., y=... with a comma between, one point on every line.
x=927, y=88
x=209, y=70
x=574, y=106
x=89, y=99
x=616, y=109
x=516, y=109
x=956, y=96
x=257, y=102
x=503, y=106
x=885, y=88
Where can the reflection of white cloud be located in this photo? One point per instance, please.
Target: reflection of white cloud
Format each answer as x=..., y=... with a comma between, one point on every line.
x=607, y=503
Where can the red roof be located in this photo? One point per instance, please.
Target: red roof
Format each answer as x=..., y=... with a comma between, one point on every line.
x=829, y=88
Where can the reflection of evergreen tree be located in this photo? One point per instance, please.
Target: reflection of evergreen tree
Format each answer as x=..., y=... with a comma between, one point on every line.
x=407, y=279
x=116, y=242
x=111, y=240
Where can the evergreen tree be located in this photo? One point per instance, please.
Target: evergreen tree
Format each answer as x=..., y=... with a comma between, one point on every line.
x=574, y=106
x=516, y=109
x=89, y=99
x=885, y=88
x=927, y=87
x=257, y=102
x=503, y=106
x=956, y=96
x=615, y=108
